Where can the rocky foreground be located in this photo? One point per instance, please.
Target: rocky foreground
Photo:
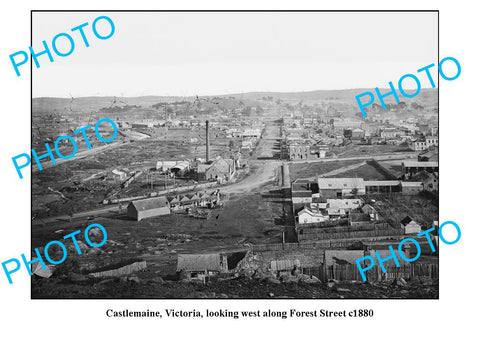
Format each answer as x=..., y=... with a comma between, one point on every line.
x=256, y=286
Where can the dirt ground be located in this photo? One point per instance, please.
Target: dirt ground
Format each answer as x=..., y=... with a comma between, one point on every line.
x=67, y=179
x=242, y=219
x=352, y=150
x=255, y=211
x=240, y=288
x=261, y=174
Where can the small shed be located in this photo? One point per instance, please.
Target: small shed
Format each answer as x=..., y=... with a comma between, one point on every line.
x=200, y=266
x=411, y=227
x=150, y=207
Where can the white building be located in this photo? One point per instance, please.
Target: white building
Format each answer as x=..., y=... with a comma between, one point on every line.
x=420, y=145
x=411, y=227
x=307, y=216
x=431, y=141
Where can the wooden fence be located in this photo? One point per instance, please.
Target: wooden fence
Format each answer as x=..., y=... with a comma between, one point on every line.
x=351, y=272
x=332, y=223
x=351, y=234
x=125, y=270
x=321, y=244
x=337, y=229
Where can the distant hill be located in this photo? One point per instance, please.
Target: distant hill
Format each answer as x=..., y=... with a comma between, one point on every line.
x=94, y=104
x=427, y=98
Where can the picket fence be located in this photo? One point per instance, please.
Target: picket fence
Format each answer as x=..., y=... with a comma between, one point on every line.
x=350, y=272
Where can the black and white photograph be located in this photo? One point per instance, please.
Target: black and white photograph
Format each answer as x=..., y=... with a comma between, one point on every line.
x=228, y=169
x=235, y=155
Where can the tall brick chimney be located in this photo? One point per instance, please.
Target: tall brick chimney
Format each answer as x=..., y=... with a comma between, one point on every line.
x=207, y=140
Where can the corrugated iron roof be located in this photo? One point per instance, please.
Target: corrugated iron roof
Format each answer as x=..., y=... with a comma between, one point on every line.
x=150, y=203
x=411, y=184
x=382, y=183
x=198, y=262
x=420, y=164
x=340, y=183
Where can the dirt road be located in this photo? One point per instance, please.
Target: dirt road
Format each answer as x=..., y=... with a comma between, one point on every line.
x=265, y=171
x=262, y=173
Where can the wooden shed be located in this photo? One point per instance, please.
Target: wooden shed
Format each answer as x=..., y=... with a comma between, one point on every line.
x=202, y=265
x=151, y=207
x=411, y=227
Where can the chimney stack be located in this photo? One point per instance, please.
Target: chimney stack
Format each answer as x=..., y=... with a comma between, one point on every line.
x=207, y=139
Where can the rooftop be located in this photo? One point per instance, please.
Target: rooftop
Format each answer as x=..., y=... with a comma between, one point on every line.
x=340, y=183
x=420, y=164
x=411, y=184
x=150, y=203
x=382, y=183
x=198, y=262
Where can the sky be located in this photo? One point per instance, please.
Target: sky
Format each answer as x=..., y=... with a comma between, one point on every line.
x=205, y=53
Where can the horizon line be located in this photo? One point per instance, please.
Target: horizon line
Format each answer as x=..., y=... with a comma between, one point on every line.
x=225, y=94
